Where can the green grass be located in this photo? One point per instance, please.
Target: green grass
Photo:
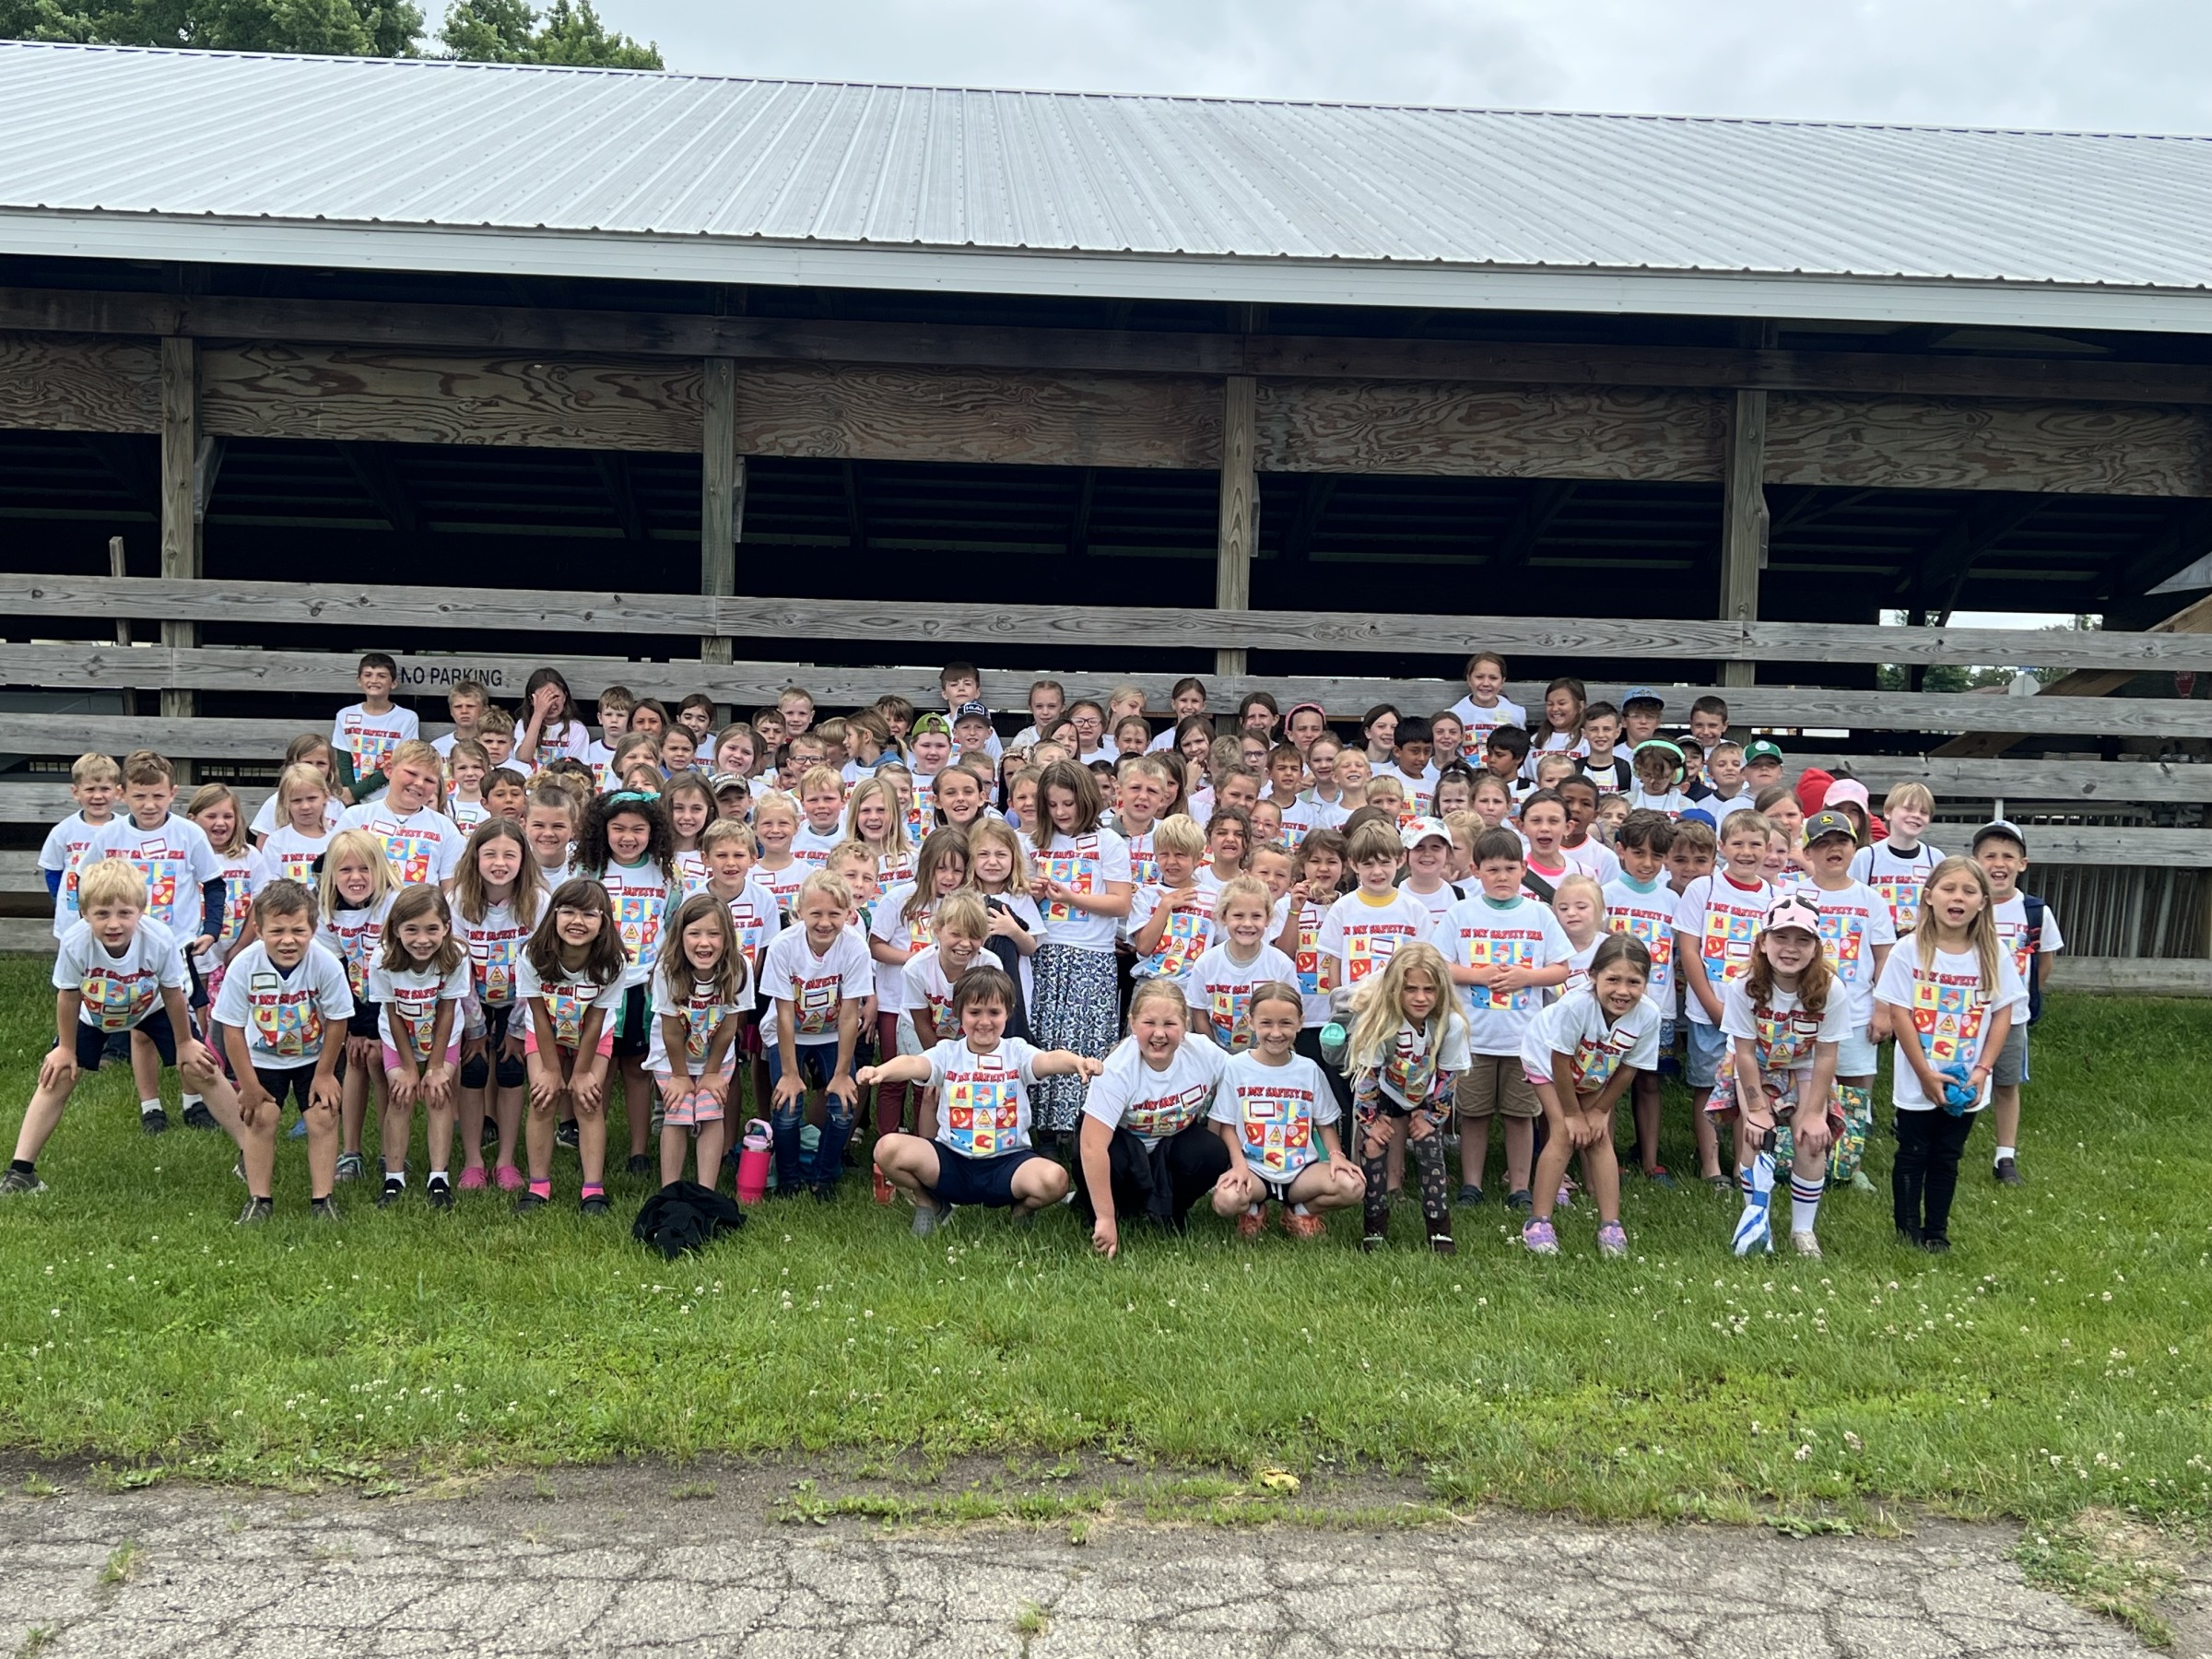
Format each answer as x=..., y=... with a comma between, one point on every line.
x=2054, y=1364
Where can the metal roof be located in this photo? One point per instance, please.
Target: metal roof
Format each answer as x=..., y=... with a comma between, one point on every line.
x=431, y=165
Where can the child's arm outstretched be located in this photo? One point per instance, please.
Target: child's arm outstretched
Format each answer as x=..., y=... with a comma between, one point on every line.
x=901, y=1068
x=1062, y=1063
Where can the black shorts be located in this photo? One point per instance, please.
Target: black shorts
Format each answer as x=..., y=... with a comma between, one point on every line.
x=633, y=1025
x=298, y=1081
x=367, y=1021
x=496, y=1021
x=92, y=1043
x=984, y=1182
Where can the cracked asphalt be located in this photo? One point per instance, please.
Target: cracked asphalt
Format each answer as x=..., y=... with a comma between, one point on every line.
x=614, y=1561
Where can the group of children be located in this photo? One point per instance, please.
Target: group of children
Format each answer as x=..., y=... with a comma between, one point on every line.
x=1262, y=965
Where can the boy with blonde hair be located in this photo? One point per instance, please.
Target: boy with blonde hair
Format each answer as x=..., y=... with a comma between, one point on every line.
x=94, y=783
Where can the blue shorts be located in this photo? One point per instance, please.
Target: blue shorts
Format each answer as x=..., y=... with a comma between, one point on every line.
x=1706, y=1044
x=92, y=1043
x=985, y=1181
x=1856, y=1055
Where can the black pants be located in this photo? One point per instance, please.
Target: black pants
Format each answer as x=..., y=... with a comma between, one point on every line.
x=1925, y=1174
x=1163, y=1181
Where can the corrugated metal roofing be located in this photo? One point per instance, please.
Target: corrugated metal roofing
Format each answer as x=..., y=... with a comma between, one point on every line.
x=99, y=133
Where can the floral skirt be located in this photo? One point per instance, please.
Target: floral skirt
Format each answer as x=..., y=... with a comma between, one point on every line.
x=1078, y=1007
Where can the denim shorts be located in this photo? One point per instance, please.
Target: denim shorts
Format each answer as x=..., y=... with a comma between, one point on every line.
x=1706, y=1044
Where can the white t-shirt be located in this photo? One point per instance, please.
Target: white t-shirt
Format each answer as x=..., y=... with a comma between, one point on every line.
x=244, y=874
x=494, y=948
x=1305, y=815
x=421, y=846
x=1576, y=1025
x=1551, y=743
x=64, y=851
x=1593, y=859
x=264, y=816
x=368, y=738
x=409, y=998
x=1481, y=723
x=1277, y=1111
x=644, y=899
x=816, y=987
x=118, y=992
x=1648, y=917
x=285, y=1017
x=1420, y=788
x=1309, y=965
x=1523, y=934
x=1150, y=1105
x=1674, y=803
x=1783, y=1036
x=891, y=925
x=173, y=856
x=1186, y=936
x=782, y=885
x=290, y=856
x=1578, y=969
x=1219, y=989
x=1086, y=865
x=758, y=919
x=811, y=846
x=571, y=740
x=2011, y=919
x=702, y=1014
x=982, y=1098
x=1854, y=923
x=1361, y=937
x=1417, y=1057
x=353, y=936
x=1723, y=919
x=1950, y=1007
x=567, y=1001
x=1897, y=876
x=928, y=989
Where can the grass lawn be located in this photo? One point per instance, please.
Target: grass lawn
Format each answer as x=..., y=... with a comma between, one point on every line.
x=2056, y=1362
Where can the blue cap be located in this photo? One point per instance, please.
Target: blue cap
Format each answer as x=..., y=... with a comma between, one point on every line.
x=1635, y=694
x=1698, y=814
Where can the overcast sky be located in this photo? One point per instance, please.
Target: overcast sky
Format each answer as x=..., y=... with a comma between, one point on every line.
x=2134, y=64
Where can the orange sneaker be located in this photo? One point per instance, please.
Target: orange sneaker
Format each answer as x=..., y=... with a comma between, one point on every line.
x=1253, y=1222
x=1304, y=1226
x=885, y=1190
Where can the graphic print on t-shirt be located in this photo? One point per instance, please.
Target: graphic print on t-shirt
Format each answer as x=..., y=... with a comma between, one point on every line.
x=116, y=1002
x=1595, y=1059
x=1948, y=1012
x=1489, y=950
x=1075, y=868
x=980, y=1115
x=287, y=1019
x=1277, y=1128
x=1725, y=946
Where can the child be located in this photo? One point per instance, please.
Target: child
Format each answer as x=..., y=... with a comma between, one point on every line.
x=679, y=751
x=1266, y=824
x=1506, y=950
x=505, y=795
x=1491, y=801
x=468, y=764
x=302, y=835
x=355, y=892
x=1723, y=789
x=1785, y=853
x=1659, y=773
x=1411, y=745
x=1715, y=924
x=570, y=980
x=310, y=749
x=1454, y=791
x=1277, y=1118
x=1304, y=724
x=776, y=826
x=215, y=810
x=1708, y=723
x=1221, y=980
x=552, y=824
x=420, y=842
x=1148, y=794
x=1612, y=811
x=495, y=731
x=998, y=869
x=1641, y=710
x=689, y=800
x=1427, y=847
x=94, y=783
x=976, y=1148
x=1484, y=709
x=1379, y=729
x=701, y=994
x=1782, y=1020
x=729, y=850
x=1896, y=868
x=365, y=734
x=1389, y=795
x=960, y=925
x=1856, y=938
x=1692, y=852
x=821, y=799
x=284, y=1018
x=2027, y=932
x=1564, y=701
x=630, y=849
x=1544, y=824
x=497, y=898
x=1641, y=905
x=1082, y=887
x=1462, y=827
x=1367, y=924
x=614, y=704
x=552, y=725
x=820, y=977
x=1407, y=1051
x=1145, y=1146
x=1579, y=906
x=1602, y=762
x=1582, y=850
x=115, y=970
x=1228, y=846
x=795, y=707
x=696, y=714
x=1762, y=765
x=421, y=978
x=898, y=933
x=1317, y=877
x=1580, y=1055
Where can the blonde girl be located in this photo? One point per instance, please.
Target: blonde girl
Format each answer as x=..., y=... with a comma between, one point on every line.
x=737, y=751
x=551, y=821
x=1952, y=993
x=419, y=983
x=1407, y=1045
x=776, y=820
x=873, y=817
x=466, y=767
x=215, y=810
x=1021, y=798
x=570, y=981
x=689, y=799
x=1899, y=864
x=310, y=748
x=1278, y=1119
x=1579, y=902
x=1777, y=1083
x=702, y=994
x=998, y=869
x=1145, y=1148
x=355, y=891
x=899, y=932
x=497, y=895
x=303, y=812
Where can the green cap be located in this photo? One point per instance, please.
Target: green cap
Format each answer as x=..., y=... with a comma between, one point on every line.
x=1763, y=750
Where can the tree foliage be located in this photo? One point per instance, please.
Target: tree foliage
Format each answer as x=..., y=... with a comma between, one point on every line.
x=491, y=32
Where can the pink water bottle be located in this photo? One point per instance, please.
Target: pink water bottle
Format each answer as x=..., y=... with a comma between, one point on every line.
x=752, y=1163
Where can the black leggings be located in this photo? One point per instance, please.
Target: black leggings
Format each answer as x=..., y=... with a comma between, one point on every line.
x=1163, y=1181
x=1925, y=1174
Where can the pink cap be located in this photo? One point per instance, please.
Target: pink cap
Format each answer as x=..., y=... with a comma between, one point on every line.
x=1847, y=792
x=1794, y=910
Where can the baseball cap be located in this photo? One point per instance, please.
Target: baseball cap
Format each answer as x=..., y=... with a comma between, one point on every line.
x=973, y=707
x=722, y=781
x=1828, y=821
x=925, y=723
x=1698, y=814
x=1794, y=910
x=1421, y=830
x=1848, y=790
x=1762, y=750
x=1635, y=694
x=1999, y=830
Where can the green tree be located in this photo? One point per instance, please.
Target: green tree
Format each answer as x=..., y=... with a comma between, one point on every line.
x=566, y=31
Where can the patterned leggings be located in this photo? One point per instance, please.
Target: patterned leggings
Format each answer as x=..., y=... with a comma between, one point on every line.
x=1371, y=1110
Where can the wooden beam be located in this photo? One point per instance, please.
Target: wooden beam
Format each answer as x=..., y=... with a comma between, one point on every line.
x=372, y=469
x=2131, y=976
x=1312, y=507
x=1940, y=576
x=68, y=384
x=614, y=477
x=2078, y=783
x=1543, y=503
x=1743, y=522
x=719, y=464
x=513, y=329
x=181, y=559
x=1239, y=513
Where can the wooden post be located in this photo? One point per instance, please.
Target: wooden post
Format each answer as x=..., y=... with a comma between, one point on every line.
x=1744, y=523
x=180, y=520
x=118, y=567
x=1240, y=510
x=721, y=484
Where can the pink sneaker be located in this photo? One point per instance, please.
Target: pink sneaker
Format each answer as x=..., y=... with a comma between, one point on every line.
x=472, y=1180
x=510, y=1179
